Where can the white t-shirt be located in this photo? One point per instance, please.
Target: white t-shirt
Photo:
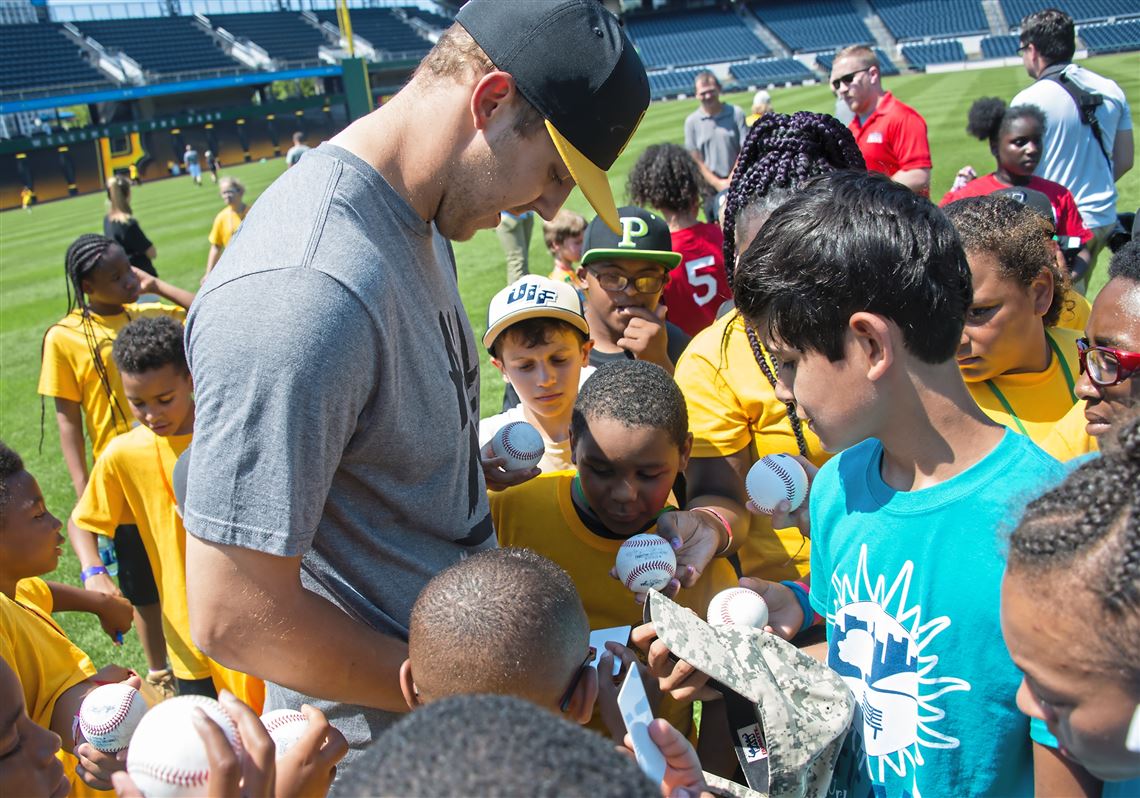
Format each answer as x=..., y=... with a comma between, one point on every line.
x=1070, y=155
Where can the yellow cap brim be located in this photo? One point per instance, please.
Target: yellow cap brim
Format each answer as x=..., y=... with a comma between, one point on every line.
x=590, y=178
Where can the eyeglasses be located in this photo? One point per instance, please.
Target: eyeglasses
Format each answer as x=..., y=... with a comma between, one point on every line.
x=616, y=281
x=1106, y=365
x=847, y=79
x=1022, y=48
x=564, y=704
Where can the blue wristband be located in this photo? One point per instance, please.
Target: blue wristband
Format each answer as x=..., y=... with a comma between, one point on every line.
x=94, y=570
x=805, y=604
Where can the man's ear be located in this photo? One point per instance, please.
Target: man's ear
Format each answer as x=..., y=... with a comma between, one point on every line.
x=492, y=95
x=408, y=685
x=582, y=700
x=873, y=338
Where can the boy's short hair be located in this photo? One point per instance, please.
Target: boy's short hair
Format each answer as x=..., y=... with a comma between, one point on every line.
x=505, y=621
x=636, y=393
x=492, y=745
x=150, y=343
x=1016, y=235
x=534, y=298
x=10, y=465
x=850, y=242
x=1053, y=34
x=1126, y=262
x=566, y=224
x=534, y=332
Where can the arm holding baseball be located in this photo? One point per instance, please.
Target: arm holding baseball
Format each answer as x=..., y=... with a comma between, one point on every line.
x=95, y=767
x=718, y=484
x=272, y=631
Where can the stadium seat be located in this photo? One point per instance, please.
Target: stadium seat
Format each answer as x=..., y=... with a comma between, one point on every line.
x=1114, y=37
x=39, y=56
x=437, y=21
x=921, y=55
x=807, y=25
x=164, y=45
x=917, y=19
x=772, y=71
x=384, y=30
x=672, y=82
x=282, y=34
x=999, y=46
x=702, y=37
x=886, y=65
x=1079, y=10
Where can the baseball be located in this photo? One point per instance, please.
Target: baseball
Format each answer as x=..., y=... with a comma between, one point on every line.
x=285, y=727
x=738, y=606
x=775, y=478
x=646, y=562
x=519, y=444
x=167, y=758
x=109, y=714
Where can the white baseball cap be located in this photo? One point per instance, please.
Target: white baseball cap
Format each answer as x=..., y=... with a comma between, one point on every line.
x=532, y=297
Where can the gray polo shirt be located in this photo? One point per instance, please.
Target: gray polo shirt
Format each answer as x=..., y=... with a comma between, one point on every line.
x=717, y=138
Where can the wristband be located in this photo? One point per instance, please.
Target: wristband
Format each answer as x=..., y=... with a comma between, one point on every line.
x=94, y=570
x=724, y=522
x=800, y=591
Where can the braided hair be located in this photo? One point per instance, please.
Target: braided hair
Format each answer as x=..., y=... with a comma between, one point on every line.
x=1087, y=532
x=779, y=153
x=83, y=256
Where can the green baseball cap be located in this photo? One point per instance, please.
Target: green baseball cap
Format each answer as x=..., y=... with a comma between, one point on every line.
x=641, y=235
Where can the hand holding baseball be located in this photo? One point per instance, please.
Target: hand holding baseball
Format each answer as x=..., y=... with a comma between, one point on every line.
x=785, y=615
x=96, y=767
x=783, y=516
x=645, y=336
x=308, y=768
x=499, y=479
x=696, y=538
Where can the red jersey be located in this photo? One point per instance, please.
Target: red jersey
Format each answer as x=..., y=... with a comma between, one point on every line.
x=1065, y=214
x=698, y=285
x=893, y=138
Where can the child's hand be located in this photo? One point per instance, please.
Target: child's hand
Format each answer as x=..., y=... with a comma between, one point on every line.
x=674, y=676
x=116, y=615
x=309, y=767
x=645, y=335
x=102, y=583
x=781, y=517
x=148, y=283
x=608, y=686
x=695, y=538
x=964, y=176
x=684, y=777
x=496, y=477
x=96, y=767
x=785, y=615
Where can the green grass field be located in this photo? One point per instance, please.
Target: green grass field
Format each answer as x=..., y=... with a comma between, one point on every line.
x=177, y=217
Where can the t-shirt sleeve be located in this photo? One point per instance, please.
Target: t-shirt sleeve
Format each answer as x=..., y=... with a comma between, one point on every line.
x=1069, y=218
x=57, y=374
x=34, y=591
x=1039, y=733
x=690, y=134
x=102, y=507
x=717, y=418
x=217, y=235
x=278, y=393
x=134, y=239
x=912, y=149
x=741, y=125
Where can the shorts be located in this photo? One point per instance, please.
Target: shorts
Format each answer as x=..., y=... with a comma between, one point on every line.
x=196, y=687
x=195, y=170
x=136, y=578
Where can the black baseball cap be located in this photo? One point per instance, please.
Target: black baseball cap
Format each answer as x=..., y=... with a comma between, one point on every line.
x=642, y=236
x=1031, y=198
x=573, y=62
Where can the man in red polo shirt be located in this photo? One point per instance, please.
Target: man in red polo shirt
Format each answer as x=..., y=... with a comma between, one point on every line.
x=890, y=134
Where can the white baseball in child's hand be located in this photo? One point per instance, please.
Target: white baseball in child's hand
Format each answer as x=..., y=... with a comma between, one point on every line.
x=109, y=716
x=519, y=445
x=775, y=478
x=646, y=562
x=738, y=606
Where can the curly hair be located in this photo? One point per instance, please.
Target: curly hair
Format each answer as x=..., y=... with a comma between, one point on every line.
x=1126, y=262
x=150, y=343
x=1017, y=236
x=781, y=152
x=10, y=465
x=636, y=393
x=989, y=118
x=666, y=177
x=1085, y=535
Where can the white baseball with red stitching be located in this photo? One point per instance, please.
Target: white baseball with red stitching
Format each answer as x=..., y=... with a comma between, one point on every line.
x=776, y=478
x=109, y=715
x=285, y=727
x=167, y=758
x=646, y=562
x=738, y=606
x=519, y=444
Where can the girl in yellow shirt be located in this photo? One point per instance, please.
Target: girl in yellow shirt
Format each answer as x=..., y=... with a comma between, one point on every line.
x=1020, y=367
x=228, y=220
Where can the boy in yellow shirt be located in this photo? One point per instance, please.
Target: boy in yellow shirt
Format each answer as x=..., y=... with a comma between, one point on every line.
x=132, y=482
x=630, y=438
x=563, y=237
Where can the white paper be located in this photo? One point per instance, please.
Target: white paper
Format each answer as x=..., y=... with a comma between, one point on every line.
x=599, y=638
x=634, y=706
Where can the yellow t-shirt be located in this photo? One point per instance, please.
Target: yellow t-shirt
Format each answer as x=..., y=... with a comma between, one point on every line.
x=560, y=275
x=1033, y=402
x=68, y=370
x=1068, y=439
x=225, y=225
x=131, y=483
x=733, y=407
x=540, y=515
x=1074, y=312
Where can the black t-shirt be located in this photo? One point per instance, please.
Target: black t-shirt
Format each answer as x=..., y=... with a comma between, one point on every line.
x=130, y=237
x=677, y=340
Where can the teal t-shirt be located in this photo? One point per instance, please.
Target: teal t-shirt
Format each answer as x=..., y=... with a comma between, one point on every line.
x=909, y=582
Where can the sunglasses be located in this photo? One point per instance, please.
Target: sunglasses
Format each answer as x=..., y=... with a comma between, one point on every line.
x=564, y=704
x=615, y=281
x=1106, y=365
x=847, y=79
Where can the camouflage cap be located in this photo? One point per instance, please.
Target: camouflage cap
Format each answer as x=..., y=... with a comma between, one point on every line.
x=785, y=701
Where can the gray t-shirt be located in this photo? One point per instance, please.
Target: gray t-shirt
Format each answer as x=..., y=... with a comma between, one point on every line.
x=337, y=388
x=717, y=138
x=295, y=152
x=190, y=157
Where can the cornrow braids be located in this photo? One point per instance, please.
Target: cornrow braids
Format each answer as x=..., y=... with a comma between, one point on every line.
x=781, y=152
x=84, y=255
x=1087, y=530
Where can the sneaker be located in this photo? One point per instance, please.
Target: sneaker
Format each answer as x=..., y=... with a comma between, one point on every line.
x=163, y=683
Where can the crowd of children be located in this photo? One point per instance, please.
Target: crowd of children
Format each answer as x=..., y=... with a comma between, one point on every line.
x=934, y=371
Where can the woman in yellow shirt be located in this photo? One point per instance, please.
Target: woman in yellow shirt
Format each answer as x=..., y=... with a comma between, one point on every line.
x=1020, y=367
x=228, y=220
x=726, y=374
